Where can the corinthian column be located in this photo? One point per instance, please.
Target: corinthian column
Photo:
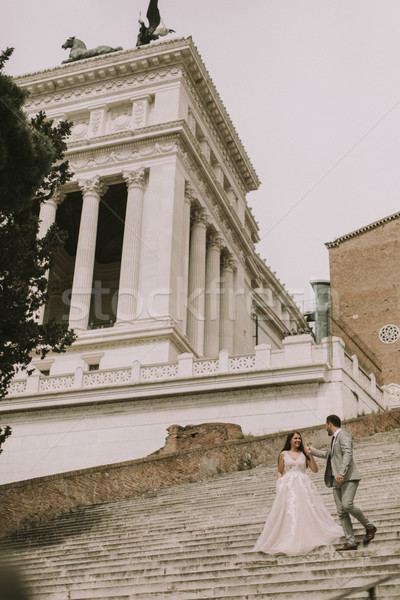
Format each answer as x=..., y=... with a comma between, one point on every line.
x=92, y=190
x=187, y=204
x=197, y=272
x=227, y=304
x=130, y=261
x=212, y=310
x=48, y=210
x=47, y=217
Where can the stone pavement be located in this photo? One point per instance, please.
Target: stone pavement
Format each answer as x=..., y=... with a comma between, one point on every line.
x=192, y=542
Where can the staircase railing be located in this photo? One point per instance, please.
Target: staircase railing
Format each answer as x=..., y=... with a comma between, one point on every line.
x=369, y=587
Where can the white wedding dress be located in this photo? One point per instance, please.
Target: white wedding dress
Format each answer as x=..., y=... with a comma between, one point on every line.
x=299, y=520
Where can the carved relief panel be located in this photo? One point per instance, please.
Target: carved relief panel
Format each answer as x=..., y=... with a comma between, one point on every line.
x=96, y=124
x=140, y=111
x=119, y=118
x=80, y=127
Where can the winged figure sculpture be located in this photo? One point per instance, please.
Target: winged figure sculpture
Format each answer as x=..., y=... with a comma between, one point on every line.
x=153, y=31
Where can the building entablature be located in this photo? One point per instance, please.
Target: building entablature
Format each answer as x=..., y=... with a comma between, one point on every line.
x=134, y=70
x=113, y=153
x=268, y=288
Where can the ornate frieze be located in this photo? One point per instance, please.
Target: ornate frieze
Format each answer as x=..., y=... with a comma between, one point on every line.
x=109, y=88
x=89, y=160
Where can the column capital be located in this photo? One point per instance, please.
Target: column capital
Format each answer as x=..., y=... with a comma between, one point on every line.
x=214, y=240
x=228, y=263
x=190, y=192
x=95, y=185
x=199, y=217
x=58, y=197
x=135, y=179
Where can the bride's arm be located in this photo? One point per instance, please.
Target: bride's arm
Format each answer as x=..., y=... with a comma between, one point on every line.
x=281, y=466
x=311, y=463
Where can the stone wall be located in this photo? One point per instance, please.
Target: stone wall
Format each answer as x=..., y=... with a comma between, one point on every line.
x=192, y=437
x=26, y=502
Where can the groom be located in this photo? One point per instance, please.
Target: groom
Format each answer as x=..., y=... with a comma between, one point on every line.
x=341, y=474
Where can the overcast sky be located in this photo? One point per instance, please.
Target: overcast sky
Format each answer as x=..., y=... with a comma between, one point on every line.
x=312, y=87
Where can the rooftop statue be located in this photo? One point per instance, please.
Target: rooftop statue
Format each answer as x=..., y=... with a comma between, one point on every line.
x=79, y=50
x=153, y=31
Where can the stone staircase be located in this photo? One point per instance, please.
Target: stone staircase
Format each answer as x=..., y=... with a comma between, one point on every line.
x=193, y=542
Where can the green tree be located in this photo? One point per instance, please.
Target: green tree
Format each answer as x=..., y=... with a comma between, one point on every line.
x=32, y=167
x=4, y=434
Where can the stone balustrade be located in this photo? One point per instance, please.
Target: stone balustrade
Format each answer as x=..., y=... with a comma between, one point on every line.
x=299, y=351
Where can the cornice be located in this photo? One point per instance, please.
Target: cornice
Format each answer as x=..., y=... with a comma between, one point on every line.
x=273, y=321
x=266, y=274
x=82, y=78
x=362, y=230
x=215, y=197
x=152, y=55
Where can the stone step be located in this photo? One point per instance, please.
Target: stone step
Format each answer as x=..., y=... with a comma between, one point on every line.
x=206, y=533
x=255, y=572
x=223, y=587
x=148, y=522
x=202, y=563
x=192, y=542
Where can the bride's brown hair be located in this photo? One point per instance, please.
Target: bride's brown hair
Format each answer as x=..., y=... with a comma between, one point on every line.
x=287, y=445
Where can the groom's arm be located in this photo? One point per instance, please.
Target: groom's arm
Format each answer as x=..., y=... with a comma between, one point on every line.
x=346, y=443
x=319, y=453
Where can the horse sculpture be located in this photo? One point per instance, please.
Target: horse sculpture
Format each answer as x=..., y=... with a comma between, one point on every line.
x=79, y=50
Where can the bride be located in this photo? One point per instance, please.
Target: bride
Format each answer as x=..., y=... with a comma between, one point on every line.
x=299, y=520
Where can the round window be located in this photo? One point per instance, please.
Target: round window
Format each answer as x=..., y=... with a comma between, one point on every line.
x=389, y=334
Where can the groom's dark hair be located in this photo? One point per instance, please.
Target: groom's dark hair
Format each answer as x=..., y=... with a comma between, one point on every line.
x=335, y=420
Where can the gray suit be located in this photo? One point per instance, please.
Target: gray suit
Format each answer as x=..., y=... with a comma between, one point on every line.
x=342, y=463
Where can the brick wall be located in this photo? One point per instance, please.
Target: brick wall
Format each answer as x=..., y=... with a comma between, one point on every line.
x=26, y=502
x=365, y=284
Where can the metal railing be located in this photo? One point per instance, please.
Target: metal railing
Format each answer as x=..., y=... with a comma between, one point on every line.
x=369, y=587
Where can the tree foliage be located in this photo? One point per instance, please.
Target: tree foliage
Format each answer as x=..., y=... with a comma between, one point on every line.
x=4, y=434
x=32, y=167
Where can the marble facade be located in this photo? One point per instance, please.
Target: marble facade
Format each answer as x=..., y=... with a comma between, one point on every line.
x=160, y=278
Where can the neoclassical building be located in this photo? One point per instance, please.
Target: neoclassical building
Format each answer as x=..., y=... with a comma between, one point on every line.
x=160, y=237
x=178, y=318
